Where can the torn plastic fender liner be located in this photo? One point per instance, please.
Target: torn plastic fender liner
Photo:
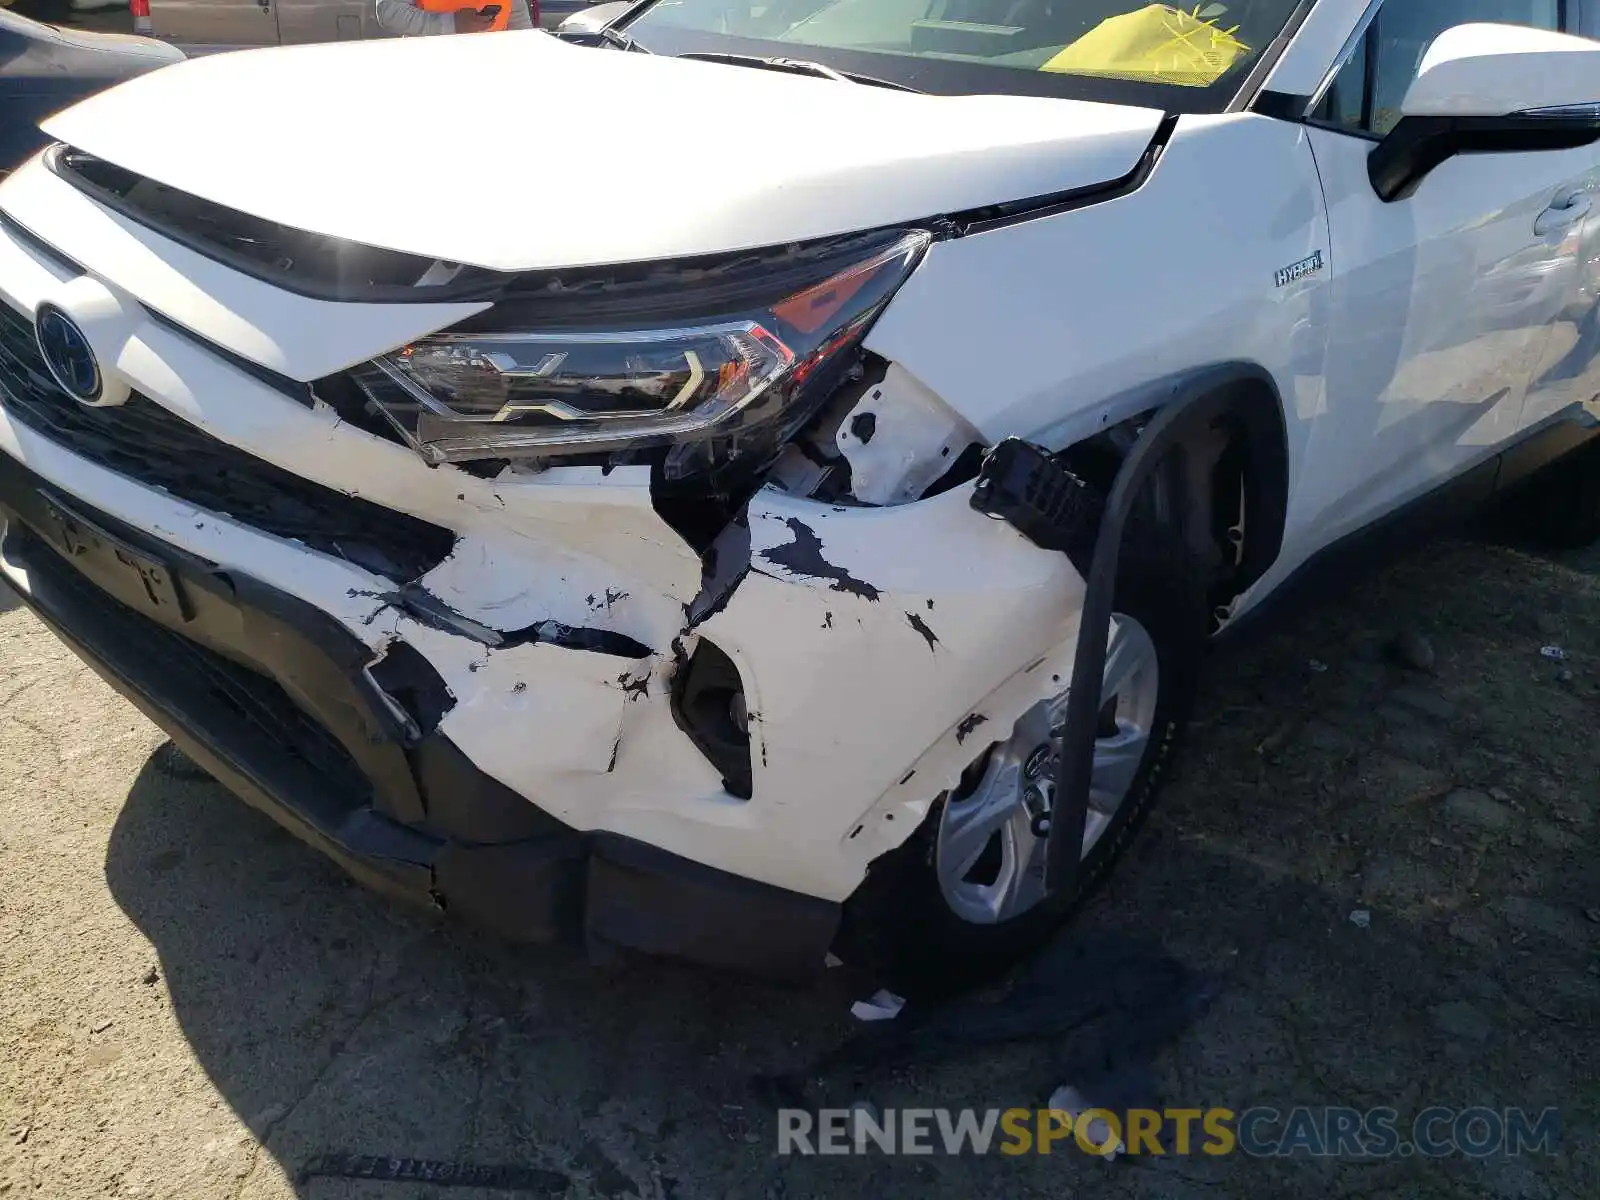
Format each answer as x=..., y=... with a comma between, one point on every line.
x=863, y=636
x=1195, y=402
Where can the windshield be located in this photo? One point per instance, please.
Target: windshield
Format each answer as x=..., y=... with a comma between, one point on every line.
x=1179, y=57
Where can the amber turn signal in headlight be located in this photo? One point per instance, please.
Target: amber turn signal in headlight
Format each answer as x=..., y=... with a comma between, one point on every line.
x=471, y=395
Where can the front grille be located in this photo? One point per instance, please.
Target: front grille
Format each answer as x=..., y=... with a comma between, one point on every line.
x=145, y=442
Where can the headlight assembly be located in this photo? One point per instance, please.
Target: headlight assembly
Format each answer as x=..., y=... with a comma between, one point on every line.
x=554, y=393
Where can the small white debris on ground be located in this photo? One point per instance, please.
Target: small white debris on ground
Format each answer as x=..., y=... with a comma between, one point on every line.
x=1097, y=1133
x=883, y=1006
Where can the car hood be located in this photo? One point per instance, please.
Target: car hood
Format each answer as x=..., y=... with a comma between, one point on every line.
x=521, y=152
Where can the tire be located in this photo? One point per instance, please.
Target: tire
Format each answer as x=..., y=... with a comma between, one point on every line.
x=1560, y=506
x=900, y=929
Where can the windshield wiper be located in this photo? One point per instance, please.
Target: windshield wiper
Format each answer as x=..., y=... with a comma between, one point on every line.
x=612, y=36
x=797, y=66
x=606, y=35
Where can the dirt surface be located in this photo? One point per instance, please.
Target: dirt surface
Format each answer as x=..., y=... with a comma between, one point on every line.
x=195, y=1005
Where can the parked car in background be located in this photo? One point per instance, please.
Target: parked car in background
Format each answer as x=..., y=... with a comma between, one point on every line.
x=593, y=18
x=58, y=12
x=290, y=22
x=44, y=69
x=39, y=10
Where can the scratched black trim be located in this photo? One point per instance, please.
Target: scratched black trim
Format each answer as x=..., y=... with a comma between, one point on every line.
x=481, y=286
x=295, y=390
x=998, y=216
x=469, y=286
x=1282, y=106
x=38, y=245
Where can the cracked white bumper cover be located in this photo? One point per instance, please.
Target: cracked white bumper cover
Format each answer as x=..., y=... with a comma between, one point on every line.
x=877, y=646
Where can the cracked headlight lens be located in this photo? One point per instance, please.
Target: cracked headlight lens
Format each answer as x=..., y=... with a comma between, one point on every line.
x=509, y=394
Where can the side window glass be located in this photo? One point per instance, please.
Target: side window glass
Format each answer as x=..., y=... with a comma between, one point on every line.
x=1369, y=90
x=1345, y=104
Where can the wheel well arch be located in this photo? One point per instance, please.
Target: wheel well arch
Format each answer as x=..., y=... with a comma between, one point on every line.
x=1253, y=418
x=1188, y=413
x=1223, y=485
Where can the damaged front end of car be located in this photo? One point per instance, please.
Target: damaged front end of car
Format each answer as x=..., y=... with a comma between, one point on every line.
x=857, y=619
x=646, y=603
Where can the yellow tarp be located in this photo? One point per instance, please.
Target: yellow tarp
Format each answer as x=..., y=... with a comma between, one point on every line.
x=1159, y=44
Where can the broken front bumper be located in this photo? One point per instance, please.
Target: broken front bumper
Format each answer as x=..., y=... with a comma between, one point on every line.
x=525, y=633
x=266, y=693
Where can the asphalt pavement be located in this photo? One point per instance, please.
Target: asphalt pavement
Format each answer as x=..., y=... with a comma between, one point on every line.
x=196, y=1005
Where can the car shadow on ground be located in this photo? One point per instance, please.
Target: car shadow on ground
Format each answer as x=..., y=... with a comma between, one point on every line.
x=1446, y=807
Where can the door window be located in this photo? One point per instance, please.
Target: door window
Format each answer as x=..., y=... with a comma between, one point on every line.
x=1367, y=93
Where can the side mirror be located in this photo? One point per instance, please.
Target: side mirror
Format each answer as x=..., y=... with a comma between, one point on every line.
x=1490, y=89
x=588, y=22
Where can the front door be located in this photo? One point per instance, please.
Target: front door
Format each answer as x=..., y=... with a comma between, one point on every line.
x=1442, y=304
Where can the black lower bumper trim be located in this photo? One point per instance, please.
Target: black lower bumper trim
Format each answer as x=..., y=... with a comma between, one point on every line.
x=203, y=653
x=642, y=897
x=199, y=701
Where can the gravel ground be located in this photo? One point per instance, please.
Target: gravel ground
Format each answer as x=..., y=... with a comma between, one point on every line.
x=195, y=1005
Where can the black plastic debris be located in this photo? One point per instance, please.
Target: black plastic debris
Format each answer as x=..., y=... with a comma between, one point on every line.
x=1105, y=1004
x=1049, y=505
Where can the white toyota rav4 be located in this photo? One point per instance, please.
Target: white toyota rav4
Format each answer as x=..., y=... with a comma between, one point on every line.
x=780, y=507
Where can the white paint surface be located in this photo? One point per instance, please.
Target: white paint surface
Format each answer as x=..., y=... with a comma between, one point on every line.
x=1491, y=70
x=413, y=144
x=1413, y=350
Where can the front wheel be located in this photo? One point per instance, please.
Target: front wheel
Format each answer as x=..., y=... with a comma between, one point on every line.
x=965, y=896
